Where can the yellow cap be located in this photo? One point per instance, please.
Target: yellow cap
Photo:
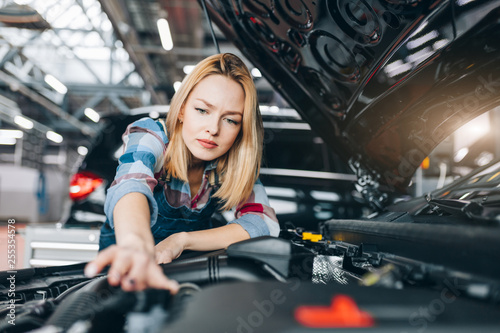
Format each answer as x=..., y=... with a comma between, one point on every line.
x=312, y=237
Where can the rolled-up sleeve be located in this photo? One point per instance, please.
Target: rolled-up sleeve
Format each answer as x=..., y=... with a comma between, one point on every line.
x=145, y=143
x=256, y=215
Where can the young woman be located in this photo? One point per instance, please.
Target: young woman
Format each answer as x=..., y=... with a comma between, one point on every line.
x=173, y=176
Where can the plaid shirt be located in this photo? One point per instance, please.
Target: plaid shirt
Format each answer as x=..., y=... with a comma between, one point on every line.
x=145, y=144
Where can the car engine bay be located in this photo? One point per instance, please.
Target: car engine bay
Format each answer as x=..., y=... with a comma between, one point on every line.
x=293, y=278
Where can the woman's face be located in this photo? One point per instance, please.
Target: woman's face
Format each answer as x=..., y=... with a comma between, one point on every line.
x=212, y=117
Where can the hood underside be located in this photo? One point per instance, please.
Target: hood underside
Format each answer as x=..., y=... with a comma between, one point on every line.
x=382, y=82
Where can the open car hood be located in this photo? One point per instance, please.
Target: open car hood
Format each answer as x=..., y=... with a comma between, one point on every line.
x=382, y=82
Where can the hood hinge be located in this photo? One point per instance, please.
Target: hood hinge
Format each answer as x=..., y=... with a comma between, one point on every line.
x=367, y=184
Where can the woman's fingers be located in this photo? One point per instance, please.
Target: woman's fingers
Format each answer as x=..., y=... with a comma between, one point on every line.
x=132, y=270
x=103, y=259
x=121, y=265
x=136, y=278
x=158, y=280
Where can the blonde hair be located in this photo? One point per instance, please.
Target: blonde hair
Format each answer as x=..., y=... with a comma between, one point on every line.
x=239, y=168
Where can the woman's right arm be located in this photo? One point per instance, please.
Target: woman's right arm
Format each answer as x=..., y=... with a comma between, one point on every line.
x=132, y=260
x=130, y=209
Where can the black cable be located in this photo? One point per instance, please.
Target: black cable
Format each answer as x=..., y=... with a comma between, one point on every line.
x=72, y=289
x=210, y=24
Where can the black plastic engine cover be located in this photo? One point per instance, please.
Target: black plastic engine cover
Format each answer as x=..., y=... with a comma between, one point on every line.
x=271, y=306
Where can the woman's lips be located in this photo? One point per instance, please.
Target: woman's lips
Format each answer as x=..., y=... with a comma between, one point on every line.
x=208, y=144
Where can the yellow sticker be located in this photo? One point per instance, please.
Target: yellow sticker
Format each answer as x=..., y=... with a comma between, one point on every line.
x=494, y=176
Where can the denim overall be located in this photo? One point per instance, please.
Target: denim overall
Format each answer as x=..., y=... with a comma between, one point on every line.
x=170, y=219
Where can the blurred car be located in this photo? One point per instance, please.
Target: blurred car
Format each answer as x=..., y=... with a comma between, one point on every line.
x=382, y=83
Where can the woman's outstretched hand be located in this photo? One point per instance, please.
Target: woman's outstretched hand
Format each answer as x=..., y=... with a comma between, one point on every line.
x=132, y=269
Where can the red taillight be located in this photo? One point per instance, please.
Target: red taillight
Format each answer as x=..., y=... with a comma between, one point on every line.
x=82, y=184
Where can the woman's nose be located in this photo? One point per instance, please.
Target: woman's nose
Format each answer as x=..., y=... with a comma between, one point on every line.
x=213, y=127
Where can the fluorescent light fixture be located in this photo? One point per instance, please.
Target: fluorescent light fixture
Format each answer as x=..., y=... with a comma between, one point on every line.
x=23, y=122
x=460, y=154
x=484, y=158
x=7, y=141
x=463, y=2
x=283, y=206
x=256, y=73
x=287, y=125
x=422, y=40
x=188, y=69
x=165, y=36
x=281, y=192
x=397, y=67
x=56, y=84
x=82, y=150
x=53, y=136
x=420, y=56
x=440, y=44
x=274, y=109
x=393, y=65
x=325, y=196
x=177, y=85
x=13, y=134
x=92, y=114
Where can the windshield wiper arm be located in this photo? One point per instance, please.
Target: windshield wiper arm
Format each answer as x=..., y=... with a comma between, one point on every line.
x=466, y=208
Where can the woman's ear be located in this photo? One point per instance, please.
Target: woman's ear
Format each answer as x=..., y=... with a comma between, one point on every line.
x=180, y=118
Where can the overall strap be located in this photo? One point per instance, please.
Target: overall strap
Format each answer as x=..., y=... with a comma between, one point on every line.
x=213, y=178
x=163, y=177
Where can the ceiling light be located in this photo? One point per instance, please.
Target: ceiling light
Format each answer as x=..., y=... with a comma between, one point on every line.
x=7, y=141
x=484, y=158
x=13, y=134
x=92, y=114
x=53, y=136
x=188, y=69
x=23, y=122
x=165, y=36
x=82, y=150
x=460, y=154
x=154, y=114
x=56, y=84
x=177, y=85
x=256, y=72
x=463, y=2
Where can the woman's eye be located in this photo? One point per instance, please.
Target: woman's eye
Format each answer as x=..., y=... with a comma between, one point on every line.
x=202, y=111
x=231, y=121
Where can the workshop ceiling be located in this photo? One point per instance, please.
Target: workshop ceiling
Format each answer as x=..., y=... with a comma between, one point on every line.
x=106, y=53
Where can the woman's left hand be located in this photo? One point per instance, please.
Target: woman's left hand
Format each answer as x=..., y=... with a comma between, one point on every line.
x=170, y=248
